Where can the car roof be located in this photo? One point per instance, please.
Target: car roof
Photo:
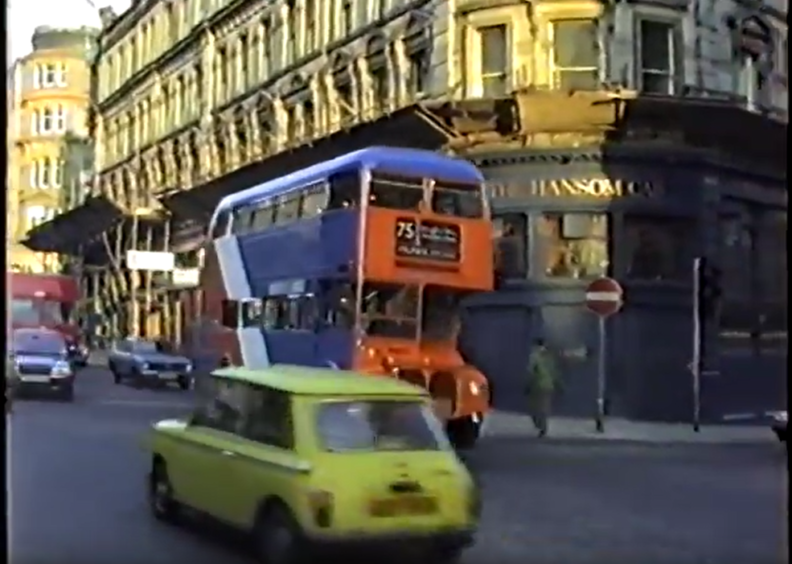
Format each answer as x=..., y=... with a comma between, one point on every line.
x=304, y=380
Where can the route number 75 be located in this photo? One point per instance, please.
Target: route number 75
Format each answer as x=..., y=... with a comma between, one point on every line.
x=405, y=230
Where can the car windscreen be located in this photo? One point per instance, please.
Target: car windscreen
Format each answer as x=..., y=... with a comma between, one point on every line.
x=377, y=425
x=39, y=344
x=143, y=347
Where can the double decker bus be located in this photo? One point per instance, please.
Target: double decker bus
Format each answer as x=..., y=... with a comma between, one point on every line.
x=357, y=263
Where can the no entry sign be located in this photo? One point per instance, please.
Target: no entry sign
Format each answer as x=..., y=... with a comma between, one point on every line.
x=604, y=296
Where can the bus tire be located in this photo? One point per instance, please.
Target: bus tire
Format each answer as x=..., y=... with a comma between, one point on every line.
x=463, y=432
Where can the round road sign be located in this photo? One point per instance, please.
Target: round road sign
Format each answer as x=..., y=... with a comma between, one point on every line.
x=604, y=296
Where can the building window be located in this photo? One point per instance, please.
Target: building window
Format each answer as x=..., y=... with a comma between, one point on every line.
x=36, y=215
x=658, y=49
x=379, y=78
x=511, y=245
x=270, y=46
x=752, y=81
x=51, y=75
x=418, y=74
x=494, y=60
x=51, y=119
x=293, y=50
x=658, y=248
x=575, y=245
x=576, y=54
x=46, y=173
x=310, y=25
x=347, y=22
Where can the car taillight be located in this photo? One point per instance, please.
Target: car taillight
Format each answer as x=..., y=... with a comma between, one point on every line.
x=321, y=504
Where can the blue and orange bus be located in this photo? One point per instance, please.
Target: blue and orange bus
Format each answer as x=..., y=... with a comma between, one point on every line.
x=358, y=263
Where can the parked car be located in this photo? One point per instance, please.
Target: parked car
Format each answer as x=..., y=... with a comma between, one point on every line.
x=779, y=425
x=39, y=362
x=145, y=362
x=307, y=458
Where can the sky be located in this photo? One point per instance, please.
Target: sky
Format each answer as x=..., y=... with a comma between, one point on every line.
x=24, y=16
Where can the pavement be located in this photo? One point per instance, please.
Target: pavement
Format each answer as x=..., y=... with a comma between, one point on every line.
x=508, y=424
x=76, y=482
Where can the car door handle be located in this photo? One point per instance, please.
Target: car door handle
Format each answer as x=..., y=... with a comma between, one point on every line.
x=228, y=453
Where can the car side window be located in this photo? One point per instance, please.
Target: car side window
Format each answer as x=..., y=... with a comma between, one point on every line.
x=223, y=407
x=269, y=418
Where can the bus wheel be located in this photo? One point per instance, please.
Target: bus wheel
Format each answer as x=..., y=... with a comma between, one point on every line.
x=463, y=433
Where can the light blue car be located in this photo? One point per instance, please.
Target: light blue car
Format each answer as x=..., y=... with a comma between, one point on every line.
x=143, y=362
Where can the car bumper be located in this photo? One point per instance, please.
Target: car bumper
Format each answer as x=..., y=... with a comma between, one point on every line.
x=43, y=384
x=164, y=376
x=360, y=540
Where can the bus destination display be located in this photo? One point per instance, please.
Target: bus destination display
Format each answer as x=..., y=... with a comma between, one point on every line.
x=427, y=239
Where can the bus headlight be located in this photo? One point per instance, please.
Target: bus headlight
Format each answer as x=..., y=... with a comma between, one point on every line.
x=474, y=388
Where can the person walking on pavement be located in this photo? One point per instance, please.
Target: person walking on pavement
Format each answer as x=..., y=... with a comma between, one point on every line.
x=542, y=384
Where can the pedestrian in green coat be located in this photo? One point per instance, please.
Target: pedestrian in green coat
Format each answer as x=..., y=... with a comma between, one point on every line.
x=542, y=384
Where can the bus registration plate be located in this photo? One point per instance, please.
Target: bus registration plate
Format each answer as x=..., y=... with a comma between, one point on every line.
x=403, y=505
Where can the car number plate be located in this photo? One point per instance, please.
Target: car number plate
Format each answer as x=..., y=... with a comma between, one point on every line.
x=35, y=379
x=168, y=375
x=403, y=505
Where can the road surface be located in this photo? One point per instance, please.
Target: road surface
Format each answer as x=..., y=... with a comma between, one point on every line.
x=77, y=494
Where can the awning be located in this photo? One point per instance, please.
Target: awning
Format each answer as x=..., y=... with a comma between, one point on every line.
x=414, y=127
x=66, y=232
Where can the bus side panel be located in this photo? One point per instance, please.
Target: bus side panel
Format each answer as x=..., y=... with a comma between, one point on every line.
x=334, y=347
x=327, y=347
x=291, y=347
x=310, y=249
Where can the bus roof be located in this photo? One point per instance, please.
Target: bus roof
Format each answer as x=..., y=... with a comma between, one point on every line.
x=321, y=381
x=390, y=159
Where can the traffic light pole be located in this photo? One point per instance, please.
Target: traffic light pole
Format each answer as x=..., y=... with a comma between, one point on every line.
x=695, y=364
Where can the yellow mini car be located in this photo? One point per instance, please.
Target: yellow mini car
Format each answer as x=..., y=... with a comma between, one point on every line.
x=305, y=459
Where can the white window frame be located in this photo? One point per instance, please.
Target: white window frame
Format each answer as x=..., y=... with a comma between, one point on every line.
x=35, y=216
x=51, y=120
x=34, y=174
x=34, y=122
x=50, y=75
x=674, y=39
x=556, y=71
x=505, y=73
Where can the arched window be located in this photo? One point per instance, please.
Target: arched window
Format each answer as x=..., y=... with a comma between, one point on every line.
x=45, y=173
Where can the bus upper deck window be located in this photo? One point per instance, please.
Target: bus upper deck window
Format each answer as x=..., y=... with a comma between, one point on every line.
x=221, y=224
x=396, y=192
x=458, y=200
x=345, y=190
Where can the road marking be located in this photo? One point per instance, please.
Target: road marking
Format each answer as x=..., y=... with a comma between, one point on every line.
x=144, y=403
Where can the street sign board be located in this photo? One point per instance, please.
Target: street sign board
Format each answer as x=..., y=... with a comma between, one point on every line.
x=150, y=261
x=604, y=296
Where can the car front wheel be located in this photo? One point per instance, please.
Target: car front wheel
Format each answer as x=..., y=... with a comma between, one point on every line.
x=463, y=432
x=184, y=382
x=115, y=373
x=160, y=494
x=278, y=539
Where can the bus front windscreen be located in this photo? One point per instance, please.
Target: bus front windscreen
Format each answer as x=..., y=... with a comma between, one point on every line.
x=32, y=311
x=390, y=310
